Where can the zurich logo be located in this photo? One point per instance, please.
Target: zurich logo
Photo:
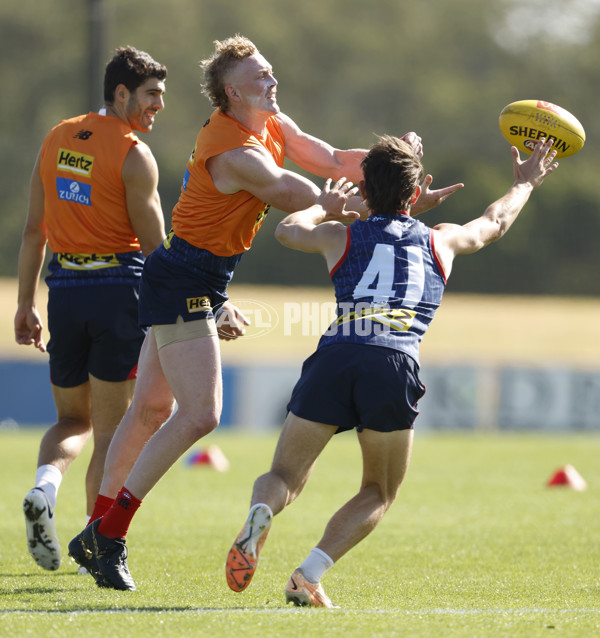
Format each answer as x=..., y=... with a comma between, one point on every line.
x=71, y=190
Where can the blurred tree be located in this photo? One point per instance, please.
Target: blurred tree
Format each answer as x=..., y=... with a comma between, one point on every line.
x=347, y=70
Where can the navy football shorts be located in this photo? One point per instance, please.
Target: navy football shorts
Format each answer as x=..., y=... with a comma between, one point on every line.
x=358, y=386
x=93, y=329
x=180, y=280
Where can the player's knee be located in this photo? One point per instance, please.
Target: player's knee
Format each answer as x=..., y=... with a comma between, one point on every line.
x=159, y=415
x=206, y=424
x=389, y=495
x=155, y=413
x=71, y=426
x=292, y=484
x=389, y=499
x=385, y=494
x=195, y=425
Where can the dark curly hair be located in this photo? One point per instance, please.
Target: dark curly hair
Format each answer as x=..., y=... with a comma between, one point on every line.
x=130, y=67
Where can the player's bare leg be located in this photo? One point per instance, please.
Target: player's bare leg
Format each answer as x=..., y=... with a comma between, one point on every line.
x=193, y=371
x=299, y=445
x=151, y=406
x=385, y=461
x=60, y=446
x=110, y=401
x=386, y=457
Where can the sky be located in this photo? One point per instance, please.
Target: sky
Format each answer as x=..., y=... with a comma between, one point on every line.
x=563, y=21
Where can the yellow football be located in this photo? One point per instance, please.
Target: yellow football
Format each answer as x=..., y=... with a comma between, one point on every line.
x=523, y=123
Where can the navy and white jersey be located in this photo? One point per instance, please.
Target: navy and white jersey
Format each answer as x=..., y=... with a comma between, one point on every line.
x=388, y=285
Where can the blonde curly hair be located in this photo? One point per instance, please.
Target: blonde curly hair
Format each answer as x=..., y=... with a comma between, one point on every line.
x=226, y=54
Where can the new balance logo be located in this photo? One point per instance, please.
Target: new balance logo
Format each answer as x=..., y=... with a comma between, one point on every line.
x=83, y=134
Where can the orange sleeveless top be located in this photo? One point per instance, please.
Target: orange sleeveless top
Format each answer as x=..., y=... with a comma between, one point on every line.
x=225, y=225
x=85, y=208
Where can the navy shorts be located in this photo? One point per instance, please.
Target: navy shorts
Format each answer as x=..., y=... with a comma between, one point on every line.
x=180, y=280
x=358, y=386
x=93, y=329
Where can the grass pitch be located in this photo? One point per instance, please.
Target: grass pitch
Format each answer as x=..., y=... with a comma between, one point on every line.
x=476, y=545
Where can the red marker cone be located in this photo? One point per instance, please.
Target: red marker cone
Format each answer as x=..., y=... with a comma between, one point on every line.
x=568, y=476
x=212, y=456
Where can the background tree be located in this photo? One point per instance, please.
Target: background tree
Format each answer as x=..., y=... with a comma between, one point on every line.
x=347, y=70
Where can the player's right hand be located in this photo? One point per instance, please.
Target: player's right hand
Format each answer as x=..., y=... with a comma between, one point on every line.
x=333, y=199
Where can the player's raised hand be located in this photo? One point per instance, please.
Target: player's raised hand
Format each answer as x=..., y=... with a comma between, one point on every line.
x=429, y=199
x=537, y=166
x=333, y=199
x=413, y=140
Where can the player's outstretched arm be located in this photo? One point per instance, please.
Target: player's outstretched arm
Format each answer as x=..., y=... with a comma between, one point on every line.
x=317, y=229
x=253, y=169
x=452, y=239
x=322, y=159
x=317, y=156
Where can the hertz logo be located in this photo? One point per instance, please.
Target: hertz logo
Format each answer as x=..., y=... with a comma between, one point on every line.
x=198, y=304
x=74, y=162
x=86, y=261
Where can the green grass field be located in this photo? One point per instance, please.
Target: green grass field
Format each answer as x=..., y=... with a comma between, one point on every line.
x=476, y=545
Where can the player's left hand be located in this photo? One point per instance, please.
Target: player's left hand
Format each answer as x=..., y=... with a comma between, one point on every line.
x=429, y=199
x=230, y=322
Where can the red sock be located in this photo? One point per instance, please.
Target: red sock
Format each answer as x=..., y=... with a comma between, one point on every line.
x=115, y=523
x=100, y=507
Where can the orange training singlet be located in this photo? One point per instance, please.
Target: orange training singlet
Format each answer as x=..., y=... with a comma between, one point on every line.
x=225, y=225
x=85, y=208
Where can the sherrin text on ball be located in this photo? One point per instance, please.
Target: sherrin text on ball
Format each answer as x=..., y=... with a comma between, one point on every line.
x=525, y=122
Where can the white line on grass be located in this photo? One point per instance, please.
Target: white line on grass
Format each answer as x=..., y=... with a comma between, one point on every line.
x=215, y=610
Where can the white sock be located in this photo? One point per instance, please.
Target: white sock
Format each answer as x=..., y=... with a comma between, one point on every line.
x=48, y=478
x=315, y=565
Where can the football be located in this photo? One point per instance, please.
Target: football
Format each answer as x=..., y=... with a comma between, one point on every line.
x=523, y=123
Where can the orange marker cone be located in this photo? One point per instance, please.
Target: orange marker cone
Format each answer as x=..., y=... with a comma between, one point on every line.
x=568, y=476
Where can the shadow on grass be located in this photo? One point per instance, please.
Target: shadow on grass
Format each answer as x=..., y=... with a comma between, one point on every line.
x=141, y=610
x=37, y=574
